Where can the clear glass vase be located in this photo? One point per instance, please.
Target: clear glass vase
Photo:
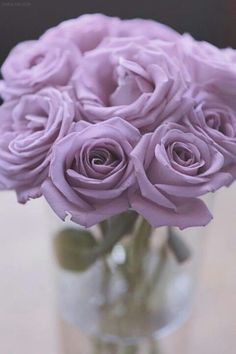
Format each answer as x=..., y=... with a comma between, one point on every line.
x=123, y=282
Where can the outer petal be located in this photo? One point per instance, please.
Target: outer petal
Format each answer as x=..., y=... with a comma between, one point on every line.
x=84, y=217
x=190, y=212
x=33, y=65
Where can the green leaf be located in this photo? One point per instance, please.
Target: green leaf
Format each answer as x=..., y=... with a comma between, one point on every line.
x=74, y=249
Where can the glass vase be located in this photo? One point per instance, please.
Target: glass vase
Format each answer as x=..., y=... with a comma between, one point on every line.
x=123, y=283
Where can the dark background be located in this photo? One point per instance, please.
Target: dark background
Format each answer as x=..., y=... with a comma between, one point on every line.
x=211, y=20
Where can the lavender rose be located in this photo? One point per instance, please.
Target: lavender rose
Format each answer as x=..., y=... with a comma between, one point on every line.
x=88, y=31
x=147, y=28
x=215, y=120
x=134, y=80
x=29, y=128
x=91, y=171
x=33, y=65
x=174, y=167
x=205, y=64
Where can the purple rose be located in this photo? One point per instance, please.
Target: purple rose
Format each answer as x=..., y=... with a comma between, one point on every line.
x=33, y=65
x=134, y=80
x=174, y=167
x=205, y=64
x=147, y=28
x=88, y=31
x=215, y=120
x=30, y=128
x=91, y=171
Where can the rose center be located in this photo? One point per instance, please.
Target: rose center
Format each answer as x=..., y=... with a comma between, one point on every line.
x=36, y=119
x=131, y=82
x=183, y=154
x=102, y=157
x=32, y=118
x=220, y=122
x=36, y=60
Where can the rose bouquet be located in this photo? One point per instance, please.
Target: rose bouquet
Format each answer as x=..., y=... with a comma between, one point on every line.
x=122, y=125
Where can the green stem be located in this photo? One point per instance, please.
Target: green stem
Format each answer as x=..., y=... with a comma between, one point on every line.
x=129, y=349
x=106, y=277
x=106, y=247
x=97, y=346
x=154, y=349
x=104, y=226
x=114, y=230
x=158, y=271
x=101, y=347
x=178, y=247
x=139, y=246
x=141, y=237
